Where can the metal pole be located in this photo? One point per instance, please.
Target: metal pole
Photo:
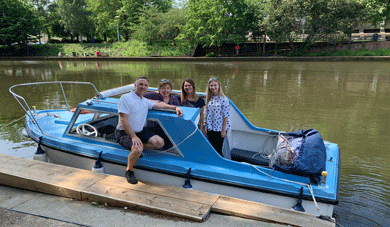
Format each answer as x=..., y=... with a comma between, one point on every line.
x=117, y=27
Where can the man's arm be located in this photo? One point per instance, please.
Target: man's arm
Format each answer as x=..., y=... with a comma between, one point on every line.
x=164, y=106
x=125, y=123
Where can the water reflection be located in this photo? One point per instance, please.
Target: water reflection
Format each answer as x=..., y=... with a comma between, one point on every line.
x=346, y=101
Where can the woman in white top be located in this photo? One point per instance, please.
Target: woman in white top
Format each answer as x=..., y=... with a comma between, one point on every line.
x=217, y=113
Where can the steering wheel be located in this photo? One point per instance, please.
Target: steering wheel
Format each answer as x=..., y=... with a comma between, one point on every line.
x=86, y=130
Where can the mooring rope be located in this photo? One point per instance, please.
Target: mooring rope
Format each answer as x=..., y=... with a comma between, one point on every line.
x=14, y=121
x=309, y=186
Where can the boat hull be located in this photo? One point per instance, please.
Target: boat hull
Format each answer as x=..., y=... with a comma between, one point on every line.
x=147, y=175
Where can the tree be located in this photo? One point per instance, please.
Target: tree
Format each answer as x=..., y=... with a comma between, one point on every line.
x=156, y=25
x=132, y=10
x=312, y=20
x=379, y=10
x=19, y=23
x=75, y=17
x=349, y=14
x=55, y=27
x=41, y=7
x=104, y=14
x=257, y=29
x=284, y=20
x=213, y=22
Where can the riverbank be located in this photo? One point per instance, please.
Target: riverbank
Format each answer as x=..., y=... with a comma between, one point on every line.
x=201, y=59
x=136, y=48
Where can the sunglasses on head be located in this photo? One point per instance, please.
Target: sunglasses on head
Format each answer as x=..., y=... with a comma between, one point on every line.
x=165, y=80
x=215, y=78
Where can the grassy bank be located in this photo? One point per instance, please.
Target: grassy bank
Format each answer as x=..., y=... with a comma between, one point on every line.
x=136, y=48
x=126, y=49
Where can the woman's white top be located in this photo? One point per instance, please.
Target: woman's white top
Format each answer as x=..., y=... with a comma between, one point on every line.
x=216, y=110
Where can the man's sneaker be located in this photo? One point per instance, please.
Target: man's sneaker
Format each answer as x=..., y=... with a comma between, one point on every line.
x=130, y=177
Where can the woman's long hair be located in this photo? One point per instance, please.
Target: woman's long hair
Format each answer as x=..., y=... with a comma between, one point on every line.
x=209, y=94
x=184, y=95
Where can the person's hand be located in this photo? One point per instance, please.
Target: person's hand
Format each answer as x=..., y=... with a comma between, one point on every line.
x=179, y=111
x=137, y=147
x=223, y=134
x=137, y=142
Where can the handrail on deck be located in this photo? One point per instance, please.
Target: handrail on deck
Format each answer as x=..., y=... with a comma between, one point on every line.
x=22, y=102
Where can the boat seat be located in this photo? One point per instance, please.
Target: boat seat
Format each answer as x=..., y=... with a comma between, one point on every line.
x=108, y=133
x=249, y=157
x=111, y=137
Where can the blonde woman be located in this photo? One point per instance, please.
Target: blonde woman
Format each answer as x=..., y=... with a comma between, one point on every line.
x=217, y=113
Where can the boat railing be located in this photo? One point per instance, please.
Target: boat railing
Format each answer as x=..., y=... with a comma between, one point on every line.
x=23, y=103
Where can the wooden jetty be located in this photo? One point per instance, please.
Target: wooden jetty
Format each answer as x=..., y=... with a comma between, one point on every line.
x=115, y=191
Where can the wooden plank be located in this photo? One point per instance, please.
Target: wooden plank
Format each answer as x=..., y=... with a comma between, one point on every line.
x=266, y=213
x=163, y=190
x=38, y=186
x=47, y=173
x=91, y=186
x=126, y=196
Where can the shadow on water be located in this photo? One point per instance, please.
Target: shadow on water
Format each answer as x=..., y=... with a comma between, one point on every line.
x=347, y=102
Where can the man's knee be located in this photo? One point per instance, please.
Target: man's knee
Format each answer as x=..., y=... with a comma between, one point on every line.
x=157, y=142
x=136, y=151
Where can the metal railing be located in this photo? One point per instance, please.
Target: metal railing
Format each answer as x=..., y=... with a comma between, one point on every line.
x=22, y=102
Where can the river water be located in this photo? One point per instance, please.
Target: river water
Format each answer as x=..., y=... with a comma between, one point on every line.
x=347, y=102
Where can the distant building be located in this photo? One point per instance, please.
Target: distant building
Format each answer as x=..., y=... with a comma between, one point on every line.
x=368, y=31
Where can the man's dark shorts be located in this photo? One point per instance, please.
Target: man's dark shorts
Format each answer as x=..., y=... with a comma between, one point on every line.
x=123, y=139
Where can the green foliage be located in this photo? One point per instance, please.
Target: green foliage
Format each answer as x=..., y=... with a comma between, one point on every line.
x=19, y=22
x=211, y=54
x=157, y=25
x=132, y=10
x=288, y=20
x=213, y=22
x=193, y=22
x=104, y=16
x=131, y=48
x=75, y=17
x=377, y=10
x=363, y=52
x=182, y=48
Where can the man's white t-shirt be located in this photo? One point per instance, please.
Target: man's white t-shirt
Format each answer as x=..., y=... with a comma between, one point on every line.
x=137, y=109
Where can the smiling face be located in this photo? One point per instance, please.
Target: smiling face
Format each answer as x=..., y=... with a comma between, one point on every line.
x=165, y=91
x=141, y=87
x=214, y=87
x=188, y=88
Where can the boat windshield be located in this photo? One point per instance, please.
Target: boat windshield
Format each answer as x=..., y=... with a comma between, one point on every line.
x=100, y=125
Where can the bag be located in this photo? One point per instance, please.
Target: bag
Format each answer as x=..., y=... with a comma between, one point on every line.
x=285, y=153
x=310, y=157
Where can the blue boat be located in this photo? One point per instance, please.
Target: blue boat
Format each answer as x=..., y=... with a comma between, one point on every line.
x=85, y=139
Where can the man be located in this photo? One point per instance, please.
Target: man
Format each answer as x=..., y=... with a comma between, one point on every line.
x=131, y=131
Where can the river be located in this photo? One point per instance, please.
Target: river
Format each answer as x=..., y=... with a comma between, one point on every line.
x=347, y=102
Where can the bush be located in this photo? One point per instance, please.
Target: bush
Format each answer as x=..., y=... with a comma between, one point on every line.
x=211, y=54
